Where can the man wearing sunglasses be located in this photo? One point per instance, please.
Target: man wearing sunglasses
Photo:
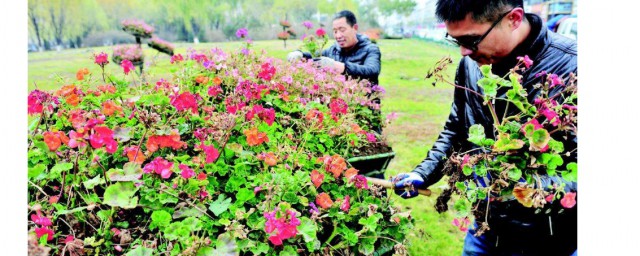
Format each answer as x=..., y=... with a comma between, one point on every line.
x=497, y=32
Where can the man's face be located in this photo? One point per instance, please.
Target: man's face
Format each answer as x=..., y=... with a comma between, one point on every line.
x=344, y=34
x=496, y=45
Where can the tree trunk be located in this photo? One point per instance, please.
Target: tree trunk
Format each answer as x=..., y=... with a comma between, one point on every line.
x=36, y=27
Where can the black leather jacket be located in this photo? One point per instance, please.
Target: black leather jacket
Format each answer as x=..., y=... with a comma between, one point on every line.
x=549, y=51
x=361, y=62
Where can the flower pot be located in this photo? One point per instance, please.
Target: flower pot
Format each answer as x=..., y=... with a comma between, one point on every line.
x=372, y=165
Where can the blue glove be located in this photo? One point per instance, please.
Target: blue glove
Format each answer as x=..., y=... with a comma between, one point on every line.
x=407, y=184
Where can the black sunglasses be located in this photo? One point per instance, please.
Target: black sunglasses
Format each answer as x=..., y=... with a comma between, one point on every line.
x=471, y=42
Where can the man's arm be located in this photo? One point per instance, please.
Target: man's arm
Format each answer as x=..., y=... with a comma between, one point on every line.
x=369, y=69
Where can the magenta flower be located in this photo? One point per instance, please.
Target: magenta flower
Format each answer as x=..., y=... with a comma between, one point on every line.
x=307, y=24
x=313, y=207
x=281, y=229
x=267, y=72
x=257, y=189
x=186, y=171
x=371, y=137
x=103, y=136
x=527, y=62
x=101, y=59
x=35, y=101
x=555, y=80
x=569, y=200
x=211, y=152
x=320, y=32
x=185, y=101
x=40, y=219
x=159, y=166
x=127, y=66
x=242, y=33
x=360, y=181
x=176, y=58
x=44, y=231
x=345, y=204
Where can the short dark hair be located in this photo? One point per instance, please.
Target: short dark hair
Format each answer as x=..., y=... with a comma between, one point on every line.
x=481, y=10
x=351, y=18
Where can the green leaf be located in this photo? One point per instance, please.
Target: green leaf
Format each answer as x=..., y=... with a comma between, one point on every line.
x=37, y=172
x=122, y=134
x=260, y=249
x=489, y=86
x=504, y=143
x=90, y=184
x=371, y=223
x=556, y=146
x=486, y=70
x=308, y=229
x=206, y=251
x=467, y=170
x=187, y=211
x=461, y=186
x=220, y=205
x=154, y=100
x=226, y=245
x=131, y=172
x=462, y=206
x=192, y=223
x=367, y=246
x=571, y=174
x=58, y=169
x=476, y=134
x=288, y=251
x=121, y=194
x=160, y=219
x=481, y=170
x=290, y=197
x=539, y=139
x=244, y=195
x=514, y=174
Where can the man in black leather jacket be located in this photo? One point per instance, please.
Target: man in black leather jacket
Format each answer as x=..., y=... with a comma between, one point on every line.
x=353, y=54
x=496, y=32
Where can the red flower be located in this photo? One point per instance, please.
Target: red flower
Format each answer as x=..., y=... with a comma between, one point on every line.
x=40, y=219
x=281, y=228
x=35, y=101
x=360, y=182
x=44, y=231
x=81, y=73
x=101, y=59
x=335, y=164
x=55, y=139
x=185, y=101
x=254, y=137
x=268, y=158
x=176, y=58
x=320, y=32
x=267, y=72
x=109, y=107
x=159, y=166
x=266, y=114
x=569, y=200
x=323, y=200
x=317, y=178
x=165, y=141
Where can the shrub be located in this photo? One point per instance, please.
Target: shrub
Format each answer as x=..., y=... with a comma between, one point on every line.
x=231, y=152
x=129, y=52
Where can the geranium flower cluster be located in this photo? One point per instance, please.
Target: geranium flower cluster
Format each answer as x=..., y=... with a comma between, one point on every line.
x=161, y=45
x=43, y=223
x=137, y=28
x=281, y=228
x=132, y=53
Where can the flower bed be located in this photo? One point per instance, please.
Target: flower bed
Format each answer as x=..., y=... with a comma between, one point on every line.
x=137, y=28
x=130, y=52
x=161, y=45
x=231, y=152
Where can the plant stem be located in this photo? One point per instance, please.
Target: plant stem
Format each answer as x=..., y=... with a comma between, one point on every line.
x=191, y=204
x=333, y=233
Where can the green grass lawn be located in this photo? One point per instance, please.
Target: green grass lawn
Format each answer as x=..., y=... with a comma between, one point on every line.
x=421, y=108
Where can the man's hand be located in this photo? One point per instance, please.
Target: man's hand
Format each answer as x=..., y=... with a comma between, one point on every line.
x=294, y=56
x=407, y=184
x=325, y=62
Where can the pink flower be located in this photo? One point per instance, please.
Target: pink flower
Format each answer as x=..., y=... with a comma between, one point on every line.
x=551, y=115
x=214, y=90
x=371, y=137
x=69, y=239
x=211, y=152
x=242, y=33
x=281, y=229
x=103, y=136
x=555, y=80
x=176, y=58
x=461, y=223
x=185, y=101
x=186, y=171
x=527, y=62
x=159, y=166
x=267, y=72
x=101, y=59
x=127, y=66
x=40, y=219
x=345, y=204
x=257, y=189
x=44, y=231
x=307, y=24
x=549, y=198
x=35, y=101
x=360, y=181
x=569, y=200
x=320, y=32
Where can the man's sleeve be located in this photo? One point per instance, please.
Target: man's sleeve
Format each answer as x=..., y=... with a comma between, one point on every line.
x=431, y=167
x=370, y=68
